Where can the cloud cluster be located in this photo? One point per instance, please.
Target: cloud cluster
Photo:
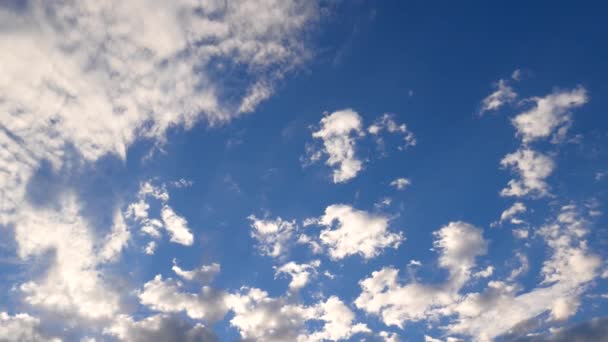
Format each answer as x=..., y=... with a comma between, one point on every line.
x=81, y=80
x=22, y=327
x=458, y=243
x=260, y=317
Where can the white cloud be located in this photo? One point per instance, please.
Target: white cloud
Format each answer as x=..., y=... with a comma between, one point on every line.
x=549, y=114
x=504, y=94
x=533, y=168
x=167, y=296
x=22, y=328
x=570, y=267
x=262, y=318
x=430, y=339
x=177, y=226
x=73, y=283
x=390, y=336
x=458, y=243
x=273, y=236
x=387, y=123
x=174, y=224
x=350, y=231
x=300, y=273
x=511, y=212
x=203, y=274
x=85, y=79
x=150, y=248
x=487, y=272
x=338, y=322
x=116, y=240
x=339, y=131
x=401, y=183
x=158, y=328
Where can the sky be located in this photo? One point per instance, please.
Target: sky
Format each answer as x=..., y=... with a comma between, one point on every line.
x=286, y=170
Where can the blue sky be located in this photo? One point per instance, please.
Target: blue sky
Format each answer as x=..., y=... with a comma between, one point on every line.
x=303, y=171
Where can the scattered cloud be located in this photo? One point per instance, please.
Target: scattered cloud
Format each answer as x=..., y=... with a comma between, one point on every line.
x=503, y=94
x=387, y=123
x=548, y=114
x=400, y=183
x=533, y=168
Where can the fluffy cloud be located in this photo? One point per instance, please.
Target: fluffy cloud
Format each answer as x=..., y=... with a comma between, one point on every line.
x=262, y=318
x=159, y=328
x=85, y=79
x=350, y=231
x=73, y=283
x=548, y=114
x=300, y=273
x=339, y=131
x=273, y=236
x=500, y=307
x=167, y=296
x=504, y=94
x=400, y=183
x=177, y=226
x=338, y=322
x=533, y=168
x=458, y=243
x=22, y=328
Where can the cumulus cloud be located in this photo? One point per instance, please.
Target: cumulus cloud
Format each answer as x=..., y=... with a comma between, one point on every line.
x=167, y=296
x=22, y=328
x=339, y=131
x=300, y=273
x=400, y=183
x=533, y=169
x=459, y=244
x=273, y=236
x=503, y=94
x=350, y=231
x=502, y=306
x=86, y=79
x=73, y=283
x=159, y=328
x=548, y=114
x=260, y=317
